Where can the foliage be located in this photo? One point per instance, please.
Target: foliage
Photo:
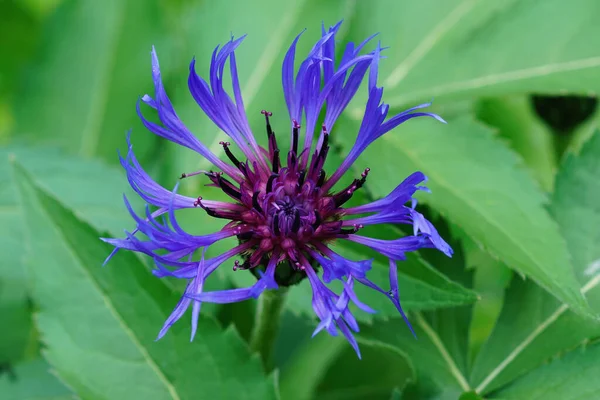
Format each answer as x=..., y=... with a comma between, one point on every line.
x=515, y=189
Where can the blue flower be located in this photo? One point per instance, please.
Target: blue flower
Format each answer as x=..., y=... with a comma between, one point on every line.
x=283, y=208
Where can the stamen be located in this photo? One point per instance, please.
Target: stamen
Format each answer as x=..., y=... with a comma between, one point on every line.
x=198, y=202
x=365, y=173
x=350, y=231
x=276, y=224
x=301, y=178
x=228, y=187
x=321, y=179
x=209, y=211
x=245, y=236
x=255, y=202
x=296, y=223
x=295, y=134
x=325, y=137
x=270, y=183
x=187, y=175
x=236, y=265
x=276, y=162
x=318, y=220
x=246, y=265
x=233, y=159
x=291, y=159
x=346, y=194
x=267, y=114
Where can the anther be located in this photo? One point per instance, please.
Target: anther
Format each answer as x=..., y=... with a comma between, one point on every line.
x=198, y=202
x=348, y=231
x=295, y=134
x=276, y=161
x=296, y=223
x=318, y=220
x=236, y=265
x=270, y=183
x=321, y=179
x=301, y=178
x=245, y=235
x=255, y=202
x=325, y=138
x=267, y=114
x=228, y=187
x=276, y=224
x=230, y=155
x=186, y=175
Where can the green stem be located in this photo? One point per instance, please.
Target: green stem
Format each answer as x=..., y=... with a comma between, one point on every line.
x=266, y=324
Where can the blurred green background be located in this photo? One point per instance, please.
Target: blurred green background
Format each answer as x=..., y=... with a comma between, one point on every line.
x=514, y=177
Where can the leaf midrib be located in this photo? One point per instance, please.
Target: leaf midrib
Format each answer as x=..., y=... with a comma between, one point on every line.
x=449, y=89
x=538, y=330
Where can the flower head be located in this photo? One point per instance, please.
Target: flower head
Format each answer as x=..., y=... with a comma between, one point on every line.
x=283, y=207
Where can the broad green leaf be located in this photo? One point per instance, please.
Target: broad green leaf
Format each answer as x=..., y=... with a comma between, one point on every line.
x=452, y=324
x=325, y=367
x=18, y=342
x=304, y=370
x=99, y=324
x=573, y=376
x=374, y=376
x=477, y=185
x=33, y=380
x=526, y=133
x=490, y=280
x=81, y=92
x=436, y=372
x=469, y=48
x=576, y=209
x=91, y=189
x=443, y=332
x=533, y=326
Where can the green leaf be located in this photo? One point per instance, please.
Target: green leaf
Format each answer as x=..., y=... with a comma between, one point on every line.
x=470, y=48
x=327, y=367
x=91, y=189
x=490, y=279
x=33, y=380
x=437, y=373
x=302, y=373
x=99, y=324
x=526, y=133
x=477, y=186
x=374, y=376
x=576, y=209
x=16, y=343
x=574, y=376
x=87, y=76
x=533, y=326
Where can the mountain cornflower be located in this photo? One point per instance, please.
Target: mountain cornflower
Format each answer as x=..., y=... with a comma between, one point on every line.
x=283, y=208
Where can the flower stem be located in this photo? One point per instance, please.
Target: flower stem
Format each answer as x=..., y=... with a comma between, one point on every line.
x=266, y=324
